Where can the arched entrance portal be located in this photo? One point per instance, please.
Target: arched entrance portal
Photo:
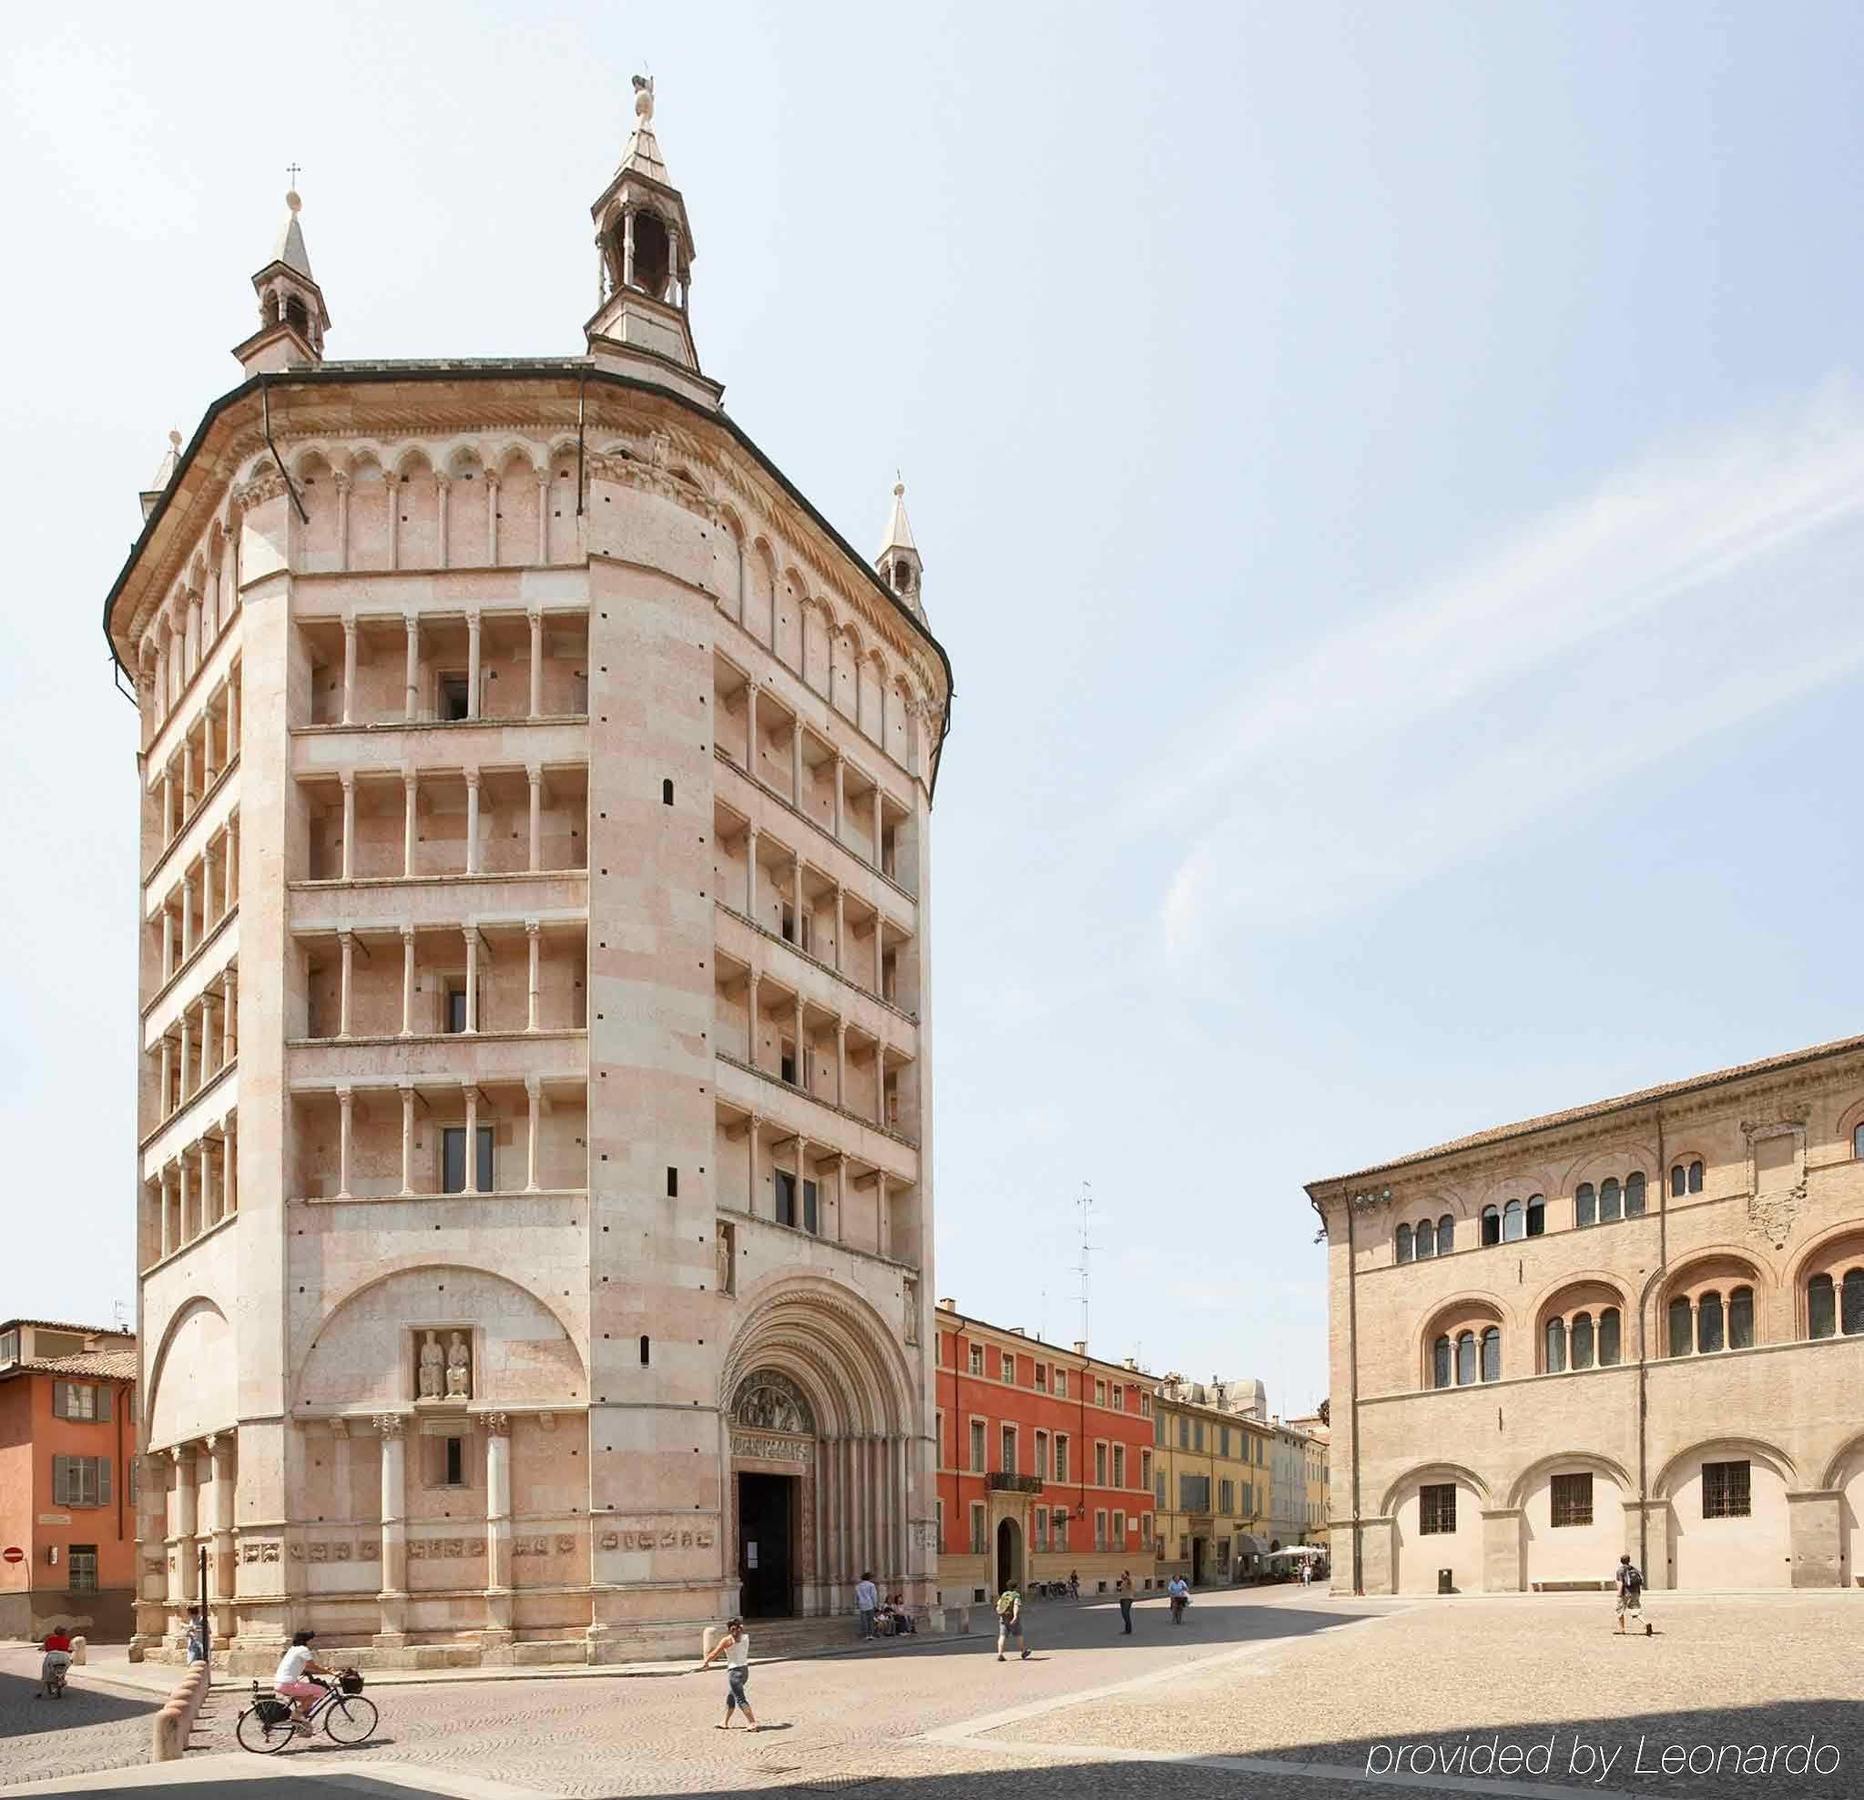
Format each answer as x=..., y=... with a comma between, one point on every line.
x=1009, y=1554
x=823, y=1478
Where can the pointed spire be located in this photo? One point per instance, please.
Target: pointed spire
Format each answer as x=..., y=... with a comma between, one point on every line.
x=899, y=563
x=643, y=152
x=291, y=251
x=899, y=532
x=164, y=474
x=644, y=258
x=292, y=314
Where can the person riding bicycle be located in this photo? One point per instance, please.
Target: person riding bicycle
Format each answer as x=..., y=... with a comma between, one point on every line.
x=292, y=1682
x=57, y=1648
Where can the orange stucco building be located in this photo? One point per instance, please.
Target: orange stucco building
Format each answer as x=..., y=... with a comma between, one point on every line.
x=67, y=1449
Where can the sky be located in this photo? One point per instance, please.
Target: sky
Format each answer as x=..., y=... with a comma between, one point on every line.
x=1391, y=485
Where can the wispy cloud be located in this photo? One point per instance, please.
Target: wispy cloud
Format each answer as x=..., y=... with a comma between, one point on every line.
x=1691, y=591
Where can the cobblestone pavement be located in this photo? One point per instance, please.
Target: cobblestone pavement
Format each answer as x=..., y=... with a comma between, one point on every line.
x=1276, y=1696
x=90, y=1728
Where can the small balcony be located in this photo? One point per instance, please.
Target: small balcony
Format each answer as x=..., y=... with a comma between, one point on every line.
x=999, y=1481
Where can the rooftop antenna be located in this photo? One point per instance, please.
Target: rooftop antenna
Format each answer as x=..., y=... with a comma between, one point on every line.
x=1085, y=1208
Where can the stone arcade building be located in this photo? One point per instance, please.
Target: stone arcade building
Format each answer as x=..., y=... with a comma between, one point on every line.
x=534, y=1162
x=1636, y=1325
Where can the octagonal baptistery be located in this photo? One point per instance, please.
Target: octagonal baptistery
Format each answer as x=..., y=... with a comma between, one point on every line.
x=534, y=1165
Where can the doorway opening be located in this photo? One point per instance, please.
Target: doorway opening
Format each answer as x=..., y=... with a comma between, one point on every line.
x=766, y=1517
x=1009, y=1554
x=1197, y=1562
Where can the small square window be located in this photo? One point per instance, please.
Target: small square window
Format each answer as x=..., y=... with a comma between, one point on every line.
x=1436, y=1510
x=1727, y=1490
x=455, y=697
x=1572, y=1499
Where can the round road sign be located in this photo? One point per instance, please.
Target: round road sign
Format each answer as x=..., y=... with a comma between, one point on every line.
x=13, y=1553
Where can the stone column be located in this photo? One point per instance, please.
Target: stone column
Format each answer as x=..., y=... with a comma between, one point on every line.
x=537, y=664
x=543, y=514
x=497, y=1429
x=187, y=915
x=220, y=1562
x=349, y=652
x=229, y=1170
x=491, y=517
x=471, y=935
x=472, y=821
x=182, y=1089
x=349, y=824
x=410, y=783
x=877, y=862
x=206, y=1202
x=796, y=763
x=407, y=1137
x=472, y=1137
x=750, y=1159
x=802, y=1079
x=841, y=793
x=169, y=1244
x=534, y=1096
x=346, y=944
x=152, y=1553
x=232, y=882
x=880, y=954
x=533, y=942
x=392, y=1601
x=168, y=941
x=536, y=775
x=841, y=1063
x=750, y=729
x=472, y=665
x=750, y=872
x=442, y=488
x=346, y=1120
x=750, y=1018
x=882, y=1219
x=343, y=493
x=183, y=1522
x=841, y=924
x=163, y=1108
x=187, y=774
x=229, y=1009
x=233, y=688
x=411, y=624
x=182, y=1207
x=407, y=981
x=207, y=1036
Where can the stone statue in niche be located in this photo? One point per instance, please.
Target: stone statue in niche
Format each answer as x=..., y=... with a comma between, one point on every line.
x=433, y=1365
x=771, y=1402
x=459, y=1368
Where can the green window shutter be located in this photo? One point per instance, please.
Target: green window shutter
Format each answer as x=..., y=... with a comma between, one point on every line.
x=103, y=1400
x=103, y=1480
x=61, y=1480
x=61, y=1399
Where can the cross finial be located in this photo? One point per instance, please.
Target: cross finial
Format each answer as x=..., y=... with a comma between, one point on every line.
x=292, y=172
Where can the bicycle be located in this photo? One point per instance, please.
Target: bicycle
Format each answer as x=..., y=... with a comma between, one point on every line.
x=55, y=1681
x=266, y=1726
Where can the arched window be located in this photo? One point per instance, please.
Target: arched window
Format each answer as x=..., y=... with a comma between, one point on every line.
x=1582, y=1340
x=1492, y=1354
x=1440, y=1372
x=1446, y=1235
x=1466, y=1359
x=1681, y=1327
x=1679, y=1177
x=1709, y=1322
x=1585, y=1205
x=1611, y=1205
x=1741, y=1319
x=1514, y=1224
x=1857, y=1142
x=1556, y=1346
x=1821, y=1308
x=1634, y=1195
x=1491, y=1225
x=1404, y=1243
x=1851, y=1313
x=1695, y=1177
x=1426, y=1240
x=1611, y=1330
x=1536, y=1214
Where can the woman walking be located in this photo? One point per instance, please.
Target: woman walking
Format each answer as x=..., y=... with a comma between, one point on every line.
x=735, y=1647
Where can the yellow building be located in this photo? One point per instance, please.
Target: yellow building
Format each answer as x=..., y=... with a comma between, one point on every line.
x=1319, y=1476
x=1211, y=1479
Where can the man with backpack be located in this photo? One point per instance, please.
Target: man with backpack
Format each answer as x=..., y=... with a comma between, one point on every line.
x=1630, y=1589
x=1010, y=1621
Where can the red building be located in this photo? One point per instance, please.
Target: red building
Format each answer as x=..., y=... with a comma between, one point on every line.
x=1044, y=1463
x=67, y=1449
